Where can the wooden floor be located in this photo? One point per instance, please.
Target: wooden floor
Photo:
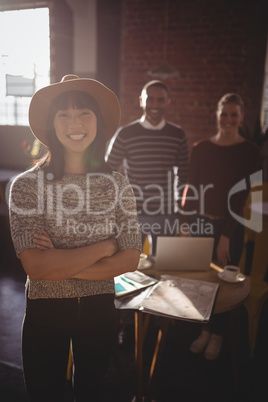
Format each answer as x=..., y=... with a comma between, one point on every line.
x=183, y=376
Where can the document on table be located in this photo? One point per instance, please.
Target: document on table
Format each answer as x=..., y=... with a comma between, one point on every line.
x=131, y=282
x=186, y=299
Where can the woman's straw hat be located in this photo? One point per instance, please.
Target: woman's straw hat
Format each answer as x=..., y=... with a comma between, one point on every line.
x=41, y=102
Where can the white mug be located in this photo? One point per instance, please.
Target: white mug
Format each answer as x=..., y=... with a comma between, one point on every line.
x=230, y=272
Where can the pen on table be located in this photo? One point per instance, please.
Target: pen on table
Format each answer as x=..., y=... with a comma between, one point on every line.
x=125, y=280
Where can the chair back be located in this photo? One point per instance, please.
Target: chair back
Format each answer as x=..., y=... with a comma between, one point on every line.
x=258, y=243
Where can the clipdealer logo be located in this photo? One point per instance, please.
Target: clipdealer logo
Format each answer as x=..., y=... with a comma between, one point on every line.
x=255, y=221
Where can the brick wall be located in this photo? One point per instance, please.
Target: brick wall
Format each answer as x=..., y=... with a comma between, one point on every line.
x=217, y=47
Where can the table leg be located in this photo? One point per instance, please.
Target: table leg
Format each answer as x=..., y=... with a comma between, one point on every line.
x=234, y=319
x=141, y=325
x=159, y=348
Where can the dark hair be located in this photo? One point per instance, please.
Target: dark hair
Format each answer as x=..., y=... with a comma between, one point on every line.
x=154, y=83
x=53, y=161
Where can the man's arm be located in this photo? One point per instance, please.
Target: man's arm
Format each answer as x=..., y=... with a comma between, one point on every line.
x=183, y=161
x=183, y=165
x=116, y=152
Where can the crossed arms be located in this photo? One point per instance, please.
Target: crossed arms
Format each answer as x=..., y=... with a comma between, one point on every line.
x=97, y=261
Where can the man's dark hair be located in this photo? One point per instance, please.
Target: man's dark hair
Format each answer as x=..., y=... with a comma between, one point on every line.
x=154, y=83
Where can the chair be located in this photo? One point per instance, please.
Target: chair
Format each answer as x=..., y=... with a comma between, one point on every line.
x=148, y=245
x=259, y=287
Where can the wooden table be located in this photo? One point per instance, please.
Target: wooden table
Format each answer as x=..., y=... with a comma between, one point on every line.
x=230, y=296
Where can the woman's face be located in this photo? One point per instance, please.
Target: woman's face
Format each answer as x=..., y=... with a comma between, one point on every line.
x=76, y=129
x=229, y=118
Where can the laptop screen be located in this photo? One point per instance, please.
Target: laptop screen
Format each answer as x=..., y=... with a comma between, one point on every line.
x=184, y=253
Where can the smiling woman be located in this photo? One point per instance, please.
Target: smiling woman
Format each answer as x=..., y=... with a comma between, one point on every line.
x=219, y=163
x=74, y=226
x=24, y=59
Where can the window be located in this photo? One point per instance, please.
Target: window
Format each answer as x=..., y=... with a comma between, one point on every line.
x=24, y=61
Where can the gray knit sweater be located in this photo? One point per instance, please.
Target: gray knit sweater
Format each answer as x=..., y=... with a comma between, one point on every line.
x=76, y=211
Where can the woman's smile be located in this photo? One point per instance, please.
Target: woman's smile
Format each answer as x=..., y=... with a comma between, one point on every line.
x=76, y=137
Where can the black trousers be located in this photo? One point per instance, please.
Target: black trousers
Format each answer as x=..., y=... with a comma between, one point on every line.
x=48, y=327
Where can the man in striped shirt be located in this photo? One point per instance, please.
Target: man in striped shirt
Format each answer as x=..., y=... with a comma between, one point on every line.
x=154, y=154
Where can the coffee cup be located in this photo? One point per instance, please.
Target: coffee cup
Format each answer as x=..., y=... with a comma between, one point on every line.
x=230, y=273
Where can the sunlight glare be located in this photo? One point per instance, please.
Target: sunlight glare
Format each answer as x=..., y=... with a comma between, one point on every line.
x=24, y=52
x=30, y=45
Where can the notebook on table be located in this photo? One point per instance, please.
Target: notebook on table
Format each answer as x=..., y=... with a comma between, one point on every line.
x=183, y=253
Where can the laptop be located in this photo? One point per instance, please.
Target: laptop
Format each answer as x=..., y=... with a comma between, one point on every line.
x=183, y=253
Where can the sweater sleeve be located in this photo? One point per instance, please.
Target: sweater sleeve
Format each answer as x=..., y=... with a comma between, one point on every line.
x=115, y=152
x=190, y=196
x=183, y=160
x=128, y=227
x=26, y=210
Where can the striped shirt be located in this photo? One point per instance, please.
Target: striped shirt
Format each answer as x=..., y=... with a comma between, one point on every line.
x=156, y=164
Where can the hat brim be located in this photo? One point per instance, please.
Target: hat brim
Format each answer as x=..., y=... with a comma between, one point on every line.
x=105, y=98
